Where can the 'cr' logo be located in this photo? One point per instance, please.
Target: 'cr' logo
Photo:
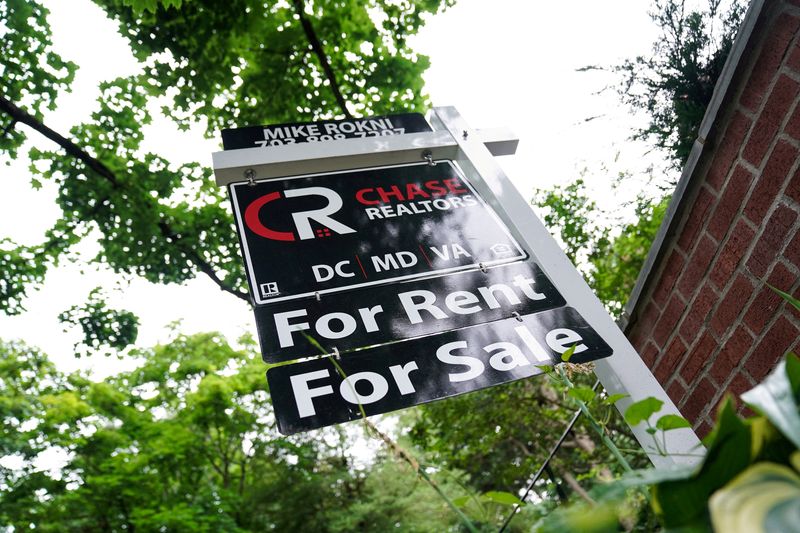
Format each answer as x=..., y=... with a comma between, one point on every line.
x=301, y=219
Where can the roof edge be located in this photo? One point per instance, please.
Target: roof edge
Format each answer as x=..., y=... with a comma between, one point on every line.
x=672, y=216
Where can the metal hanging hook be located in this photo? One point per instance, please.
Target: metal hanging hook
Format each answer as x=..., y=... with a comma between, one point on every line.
x=516, y=315
x=336, y=354
x=482, y=267
x=250, y=174
x=427, y=155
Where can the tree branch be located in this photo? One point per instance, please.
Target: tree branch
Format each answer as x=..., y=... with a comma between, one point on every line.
x=574, y=485
x=316, y=46
x=20, y=115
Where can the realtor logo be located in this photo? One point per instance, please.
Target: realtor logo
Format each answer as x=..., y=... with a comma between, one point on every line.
x=302, y=219
x=269, y=289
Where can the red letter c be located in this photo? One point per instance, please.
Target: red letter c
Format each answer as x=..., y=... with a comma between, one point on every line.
x=255, y=225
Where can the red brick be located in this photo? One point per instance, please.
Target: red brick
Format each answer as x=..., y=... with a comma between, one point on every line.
x=644, y=325
x=697, y=266
x=740, y=384
x=694, y=222
x=698, y=313
x=768, y=185
x=669, y=361
x=772, y=240
x=794, y=57
x=700, y=397
x=745, y=411
x=793, y=189
x=668, y=321
x=792, y=252
x=727, y=150
x=772, y=348
x=732, y=253
x=676, y=392
x=731, y=305
x=778, y=105
x=766, y=302
x=672, y=269
x=698, y=358
x=796, y=313
x=780, y=35
x=731, y=200
x=703, y=429
x=733, y=351
x=792, y=127
x=649, y=354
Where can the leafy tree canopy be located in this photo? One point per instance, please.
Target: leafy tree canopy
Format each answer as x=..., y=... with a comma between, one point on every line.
x=609, y=256
x=186, y=442
x=674, y=84
x=221, y=64
x=672, y=87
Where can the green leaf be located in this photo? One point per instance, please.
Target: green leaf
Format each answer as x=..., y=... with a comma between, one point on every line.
x=683, y=502
x=764, y=498
x=568, y=354
x=547, y=369
x=503, y=498
x=640, y=411
x=793, y=373
x=614, y=398
x=461, y=501
x=584, y=394
x=786, y=296
x=668, y=422
x=794, y=460
x=775, y=398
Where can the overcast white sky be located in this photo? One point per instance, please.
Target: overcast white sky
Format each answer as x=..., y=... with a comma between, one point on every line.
x=504, y=62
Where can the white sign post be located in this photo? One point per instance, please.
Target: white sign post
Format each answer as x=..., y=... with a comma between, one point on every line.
x=474, y=150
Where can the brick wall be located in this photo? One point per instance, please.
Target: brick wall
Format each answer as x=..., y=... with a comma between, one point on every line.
x=707, y=323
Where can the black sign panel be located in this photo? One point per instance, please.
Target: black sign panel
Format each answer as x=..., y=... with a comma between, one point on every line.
x=326, y=233
x=387, y=313
x=312, y=394
x=323, y=130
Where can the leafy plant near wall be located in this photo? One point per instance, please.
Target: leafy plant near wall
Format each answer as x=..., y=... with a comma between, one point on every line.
x=748, y=482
